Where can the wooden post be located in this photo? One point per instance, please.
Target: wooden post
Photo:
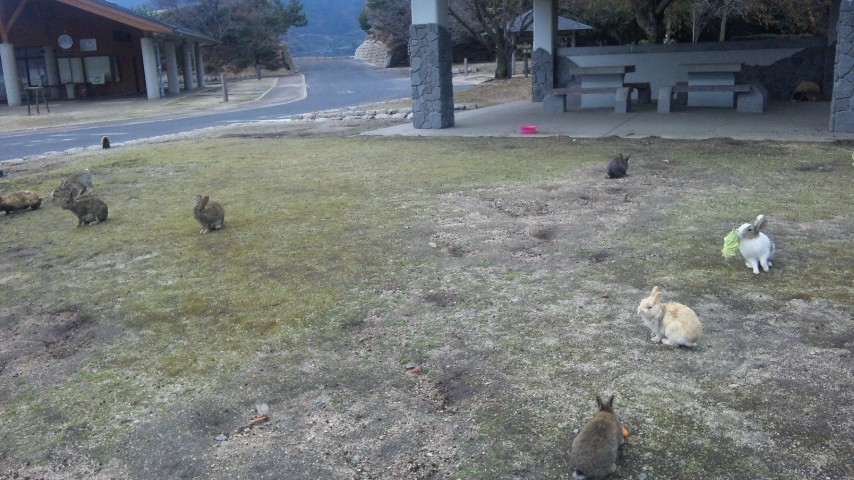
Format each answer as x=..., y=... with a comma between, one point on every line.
x=224, y=87
x=513, y=63
x=466, y=67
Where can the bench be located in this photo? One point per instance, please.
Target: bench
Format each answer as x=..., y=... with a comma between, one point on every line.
x=622, y=95
x=36, y=94
x=749, y=97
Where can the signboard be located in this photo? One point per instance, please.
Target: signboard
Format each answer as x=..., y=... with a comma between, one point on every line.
x=88, y=44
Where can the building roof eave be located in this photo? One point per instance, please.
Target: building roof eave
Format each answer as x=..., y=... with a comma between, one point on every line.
x=133, y=19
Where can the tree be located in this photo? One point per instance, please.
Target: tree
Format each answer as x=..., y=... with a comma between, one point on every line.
x=257, y=28
x=791, y=16
x=705, y=9
x=489, y=22
x=249, y=31
x=650, y=17
x=388, y=21
x=612, y=20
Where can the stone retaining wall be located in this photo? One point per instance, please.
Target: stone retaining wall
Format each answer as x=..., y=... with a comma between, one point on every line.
x=374, y=52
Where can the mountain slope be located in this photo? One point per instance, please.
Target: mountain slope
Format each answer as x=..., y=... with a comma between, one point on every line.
x=332, y=30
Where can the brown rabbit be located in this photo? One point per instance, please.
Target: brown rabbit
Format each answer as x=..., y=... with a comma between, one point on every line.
x=19, y=200
x=209, y=214
x=672, y=324
x=89, y=210
x=596, y=447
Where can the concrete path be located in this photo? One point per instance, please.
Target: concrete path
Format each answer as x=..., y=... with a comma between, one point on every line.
x=802, y=121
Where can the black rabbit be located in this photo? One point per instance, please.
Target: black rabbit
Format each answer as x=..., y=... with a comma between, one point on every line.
x=618, y=166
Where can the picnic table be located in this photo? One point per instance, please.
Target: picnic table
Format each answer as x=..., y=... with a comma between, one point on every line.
x=603, y=86
x=713, y=85
x=713, y=74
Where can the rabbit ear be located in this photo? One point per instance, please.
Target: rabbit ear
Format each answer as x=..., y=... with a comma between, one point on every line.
x=626, y=158
x=759, y=223
x=654, y=291
x=656, y=297
x=205, y=201
x=607, y=406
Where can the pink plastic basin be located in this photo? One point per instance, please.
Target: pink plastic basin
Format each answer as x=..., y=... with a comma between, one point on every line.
x=527, y=129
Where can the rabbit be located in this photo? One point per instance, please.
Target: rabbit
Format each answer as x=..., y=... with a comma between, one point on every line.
x=19, y=200
x=78, y=183
x=209, y=214
x=89, y=210
x=672, y=324
x=105, y=142
x=618, y=166
x=756, y=248
x=596, y=447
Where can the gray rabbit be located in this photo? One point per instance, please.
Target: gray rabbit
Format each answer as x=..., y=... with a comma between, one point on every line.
x=597, y=446
x=77, y=183
x=209, y=214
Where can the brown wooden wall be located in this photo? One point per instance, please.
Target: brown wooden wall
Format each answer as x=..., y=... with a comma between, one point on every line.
x=43, y=21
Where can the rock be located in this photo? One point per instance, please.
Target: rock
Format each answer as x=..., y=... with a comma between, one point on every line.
x=221, y=437
x=262, y=409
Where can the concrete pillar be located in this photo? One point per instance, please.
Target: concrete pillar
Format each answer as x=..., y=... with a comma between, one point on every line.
x=52, y=71
x=200, y=66
x=545, y=25
x=430, y=11
x=149, y=65
x=172, y=67
x=842, y=102
x=187, y=67
x=431, y=55
x=542, y=56
x=11, y=79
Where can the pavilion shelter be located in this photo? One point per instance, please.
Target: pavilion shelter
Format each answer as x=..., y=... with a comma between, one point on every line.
x=431, y=56
x=94, y=48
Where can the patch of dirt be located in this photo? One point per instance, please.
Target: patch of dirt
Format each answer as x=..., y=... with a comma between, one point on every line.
x=46, y=348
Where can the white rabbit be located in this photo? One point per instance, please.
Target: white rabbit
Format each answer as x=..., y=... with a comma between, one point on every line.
x=756, y=248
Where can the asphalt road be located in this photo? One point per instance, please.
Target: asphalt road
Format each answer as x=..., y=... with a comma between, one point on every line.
x=330, y=84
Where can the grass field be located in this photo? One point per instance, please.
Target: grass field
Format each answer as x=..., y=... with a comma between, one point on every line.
x=508, y=270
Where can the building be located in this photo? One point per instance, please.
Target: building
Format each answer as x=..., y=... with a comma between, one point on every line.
x=93, y=48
